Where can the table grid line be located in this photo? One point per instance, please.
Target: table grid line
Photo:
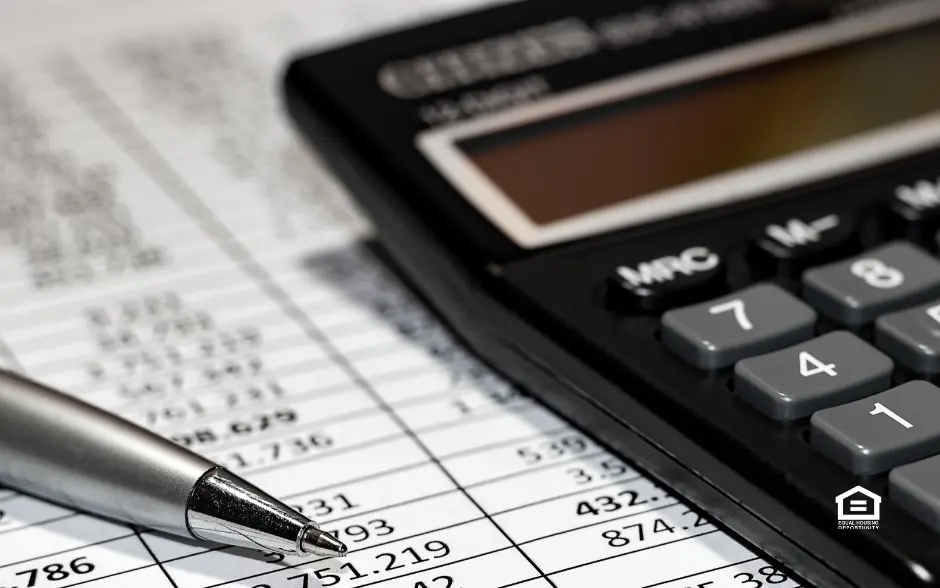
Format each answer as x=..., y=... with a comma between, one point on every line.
x=82, y=546
x=154, y=556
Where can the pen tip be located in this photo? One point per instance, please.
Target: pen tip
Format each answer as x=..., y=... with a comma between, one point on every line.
x=317, y=542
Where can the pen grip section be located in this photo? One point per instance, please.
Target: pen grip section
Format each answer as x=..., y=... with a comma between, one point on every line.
x=59, y=448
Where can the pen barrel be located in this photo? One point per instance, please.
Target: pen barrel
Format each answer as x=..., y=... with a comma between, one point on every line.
x=59, y=448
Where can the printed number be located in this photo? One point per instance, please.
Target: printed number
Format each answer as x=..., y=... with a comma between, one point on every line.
x=876, y=274
x=737, y=307
x=610, y=468
x=58, y=572
x=882, y=409
x=436, y=582
x=700, y=521
x=810, y=366
x=360, y=533
x=561, y=447
x=321, y=507
x=396, y=561
x=770, y=575
x=601, y=504
x=622, y=537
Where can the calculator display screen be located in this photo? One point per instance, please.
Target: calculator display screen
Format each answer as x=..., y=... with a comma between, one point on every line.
x=563, y=167
x=630, y=150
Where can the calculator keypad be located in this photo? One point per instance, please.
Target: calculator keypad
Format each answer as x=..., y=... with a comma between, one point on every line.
x=838, y=381
x=740, y=373
x=795, y=382
x=856, y=291
x=881, y=432
x=723, y=331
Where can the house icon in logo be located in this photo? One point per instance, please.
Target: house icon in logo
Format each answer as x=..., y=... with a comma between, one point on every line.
x=859, y=504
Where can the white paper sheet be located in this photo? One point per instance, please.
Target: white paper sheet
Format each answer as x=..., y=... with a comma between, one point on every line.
x=170, y=252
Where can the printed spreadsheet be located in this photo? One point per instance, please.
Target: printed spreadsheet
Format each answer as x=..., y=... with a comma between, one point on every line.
x=172, y=252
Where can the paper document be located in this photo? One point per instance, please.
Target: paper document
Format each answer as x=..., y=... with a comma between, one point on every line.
x=172, y=253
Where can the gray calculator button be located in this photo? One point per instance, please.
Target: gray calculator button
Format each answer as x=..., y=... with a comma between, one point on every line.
x=797, y=381
x=916, y=488
x=755, y=320
x=882, y=431
x=912, y=337
x=854, y=292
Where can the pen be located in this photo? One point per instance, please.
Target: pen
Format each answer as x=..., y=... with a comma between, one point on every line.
x=59, y=448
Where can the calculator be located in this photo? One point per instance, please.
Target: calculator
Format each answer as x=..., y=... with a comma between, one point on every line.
x=705, y=231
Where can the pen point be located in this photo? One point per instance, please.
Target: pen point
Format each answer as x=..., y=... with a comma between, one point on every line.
x=317, y=542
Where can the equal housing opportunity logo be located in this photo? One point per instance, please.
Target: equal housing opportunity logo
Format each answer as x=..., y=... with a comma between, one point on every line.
x=859, y=508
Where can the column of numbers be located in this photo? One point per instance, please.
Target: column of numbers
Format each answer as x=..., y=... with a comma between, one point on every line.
x=418, y=526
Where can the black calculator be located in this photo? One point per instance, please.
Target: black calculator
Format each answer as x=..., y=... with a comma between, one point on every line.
x=705, y=231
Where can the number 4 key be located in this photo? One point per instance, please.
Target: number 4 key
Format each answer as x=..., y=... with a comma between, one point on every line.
x=794, y=383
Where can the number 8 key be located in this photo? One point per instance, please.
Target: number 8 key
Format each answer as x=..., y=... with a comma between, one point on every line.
x=856, y=291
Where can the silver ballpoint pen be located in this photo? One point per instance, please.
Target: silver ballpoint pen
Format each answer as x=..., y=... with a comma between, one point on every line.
x=56, y=447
